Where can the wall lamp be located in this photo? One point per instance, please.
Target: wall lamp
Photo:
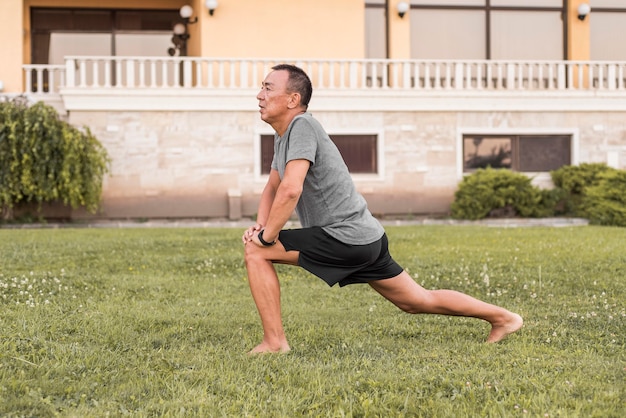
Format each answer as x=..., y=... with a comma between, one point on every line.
x=583, y=11
x=402, y=7
x=211, y=5
x=181, y=32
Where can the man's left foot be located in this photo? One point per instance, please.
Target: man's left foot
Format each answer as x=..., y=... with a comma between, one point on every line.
x=501, y=331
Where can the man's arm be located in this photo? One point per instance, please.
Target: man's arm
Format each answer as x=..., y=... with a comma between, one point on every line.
x=285, y=198
x=267, y=197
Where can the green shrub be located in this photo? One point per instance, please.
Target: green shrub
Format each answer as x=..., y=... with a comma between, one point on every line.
x=573, y=180
x=605, y=202
x=44, y=159
x=489, y=191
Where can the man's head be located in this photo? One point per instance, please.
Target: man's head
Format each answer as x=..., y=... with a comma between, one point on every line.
x=285, y=93
x=299, y=82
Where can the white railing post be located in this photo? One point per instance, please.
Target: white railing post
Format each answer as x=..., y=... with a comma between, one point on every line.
x=601, y=83
x=130, y=73
x=82, y=67
x=142, y=73
x=610, y=77
x=352, y=75
x=459, y=78
x=70, y=75
x=187, y=74
x=560, y=76
x=29, y=79
x=107, y=74
x=62, y=78
x=416, y=75
x=510, y=76
x=437, y=76
x=51, y=84
x=448, y=76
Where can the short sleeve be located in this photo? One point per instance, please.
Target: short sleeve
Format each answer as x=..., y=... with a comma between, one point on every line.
x=302, y=142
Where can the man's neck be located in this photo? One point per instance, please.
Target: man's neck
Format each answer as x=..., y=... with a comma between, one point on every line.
x=281, y=127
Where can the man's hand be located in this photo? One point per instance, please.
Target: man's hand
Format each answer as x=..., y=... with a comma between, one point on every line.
x=251, y=233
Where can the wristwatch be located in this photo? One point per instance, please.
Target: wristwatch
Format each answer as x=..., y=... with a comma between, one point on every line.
x=265, y=243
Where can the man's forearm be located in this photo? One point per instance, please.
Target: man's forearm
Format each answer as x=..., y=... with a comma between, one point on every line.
x=283, y=206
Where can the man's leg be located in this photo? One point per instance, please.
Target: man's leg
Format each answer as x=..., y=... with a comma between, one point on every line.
x=409, y=296
x=265, y=290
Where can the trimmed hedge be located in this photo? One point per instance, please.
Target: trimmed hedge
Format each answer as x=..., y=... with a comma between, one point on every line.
x=605, y=202
x=574, y=180
x=492, y=192
x=590, y=190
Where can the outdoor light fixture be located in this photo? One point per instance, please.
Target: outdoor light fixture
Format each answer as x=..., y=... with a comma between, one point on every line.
x=181, y=32
x=402, y=7
x=583, y=10
x=211, y=5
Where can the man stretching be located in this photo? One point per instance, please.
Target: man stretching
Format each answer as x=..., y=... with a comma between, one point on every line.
x=340, y=241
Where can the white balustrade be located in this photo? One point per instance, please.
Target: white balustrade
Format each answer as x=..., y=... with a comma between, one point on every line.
x=87, y=72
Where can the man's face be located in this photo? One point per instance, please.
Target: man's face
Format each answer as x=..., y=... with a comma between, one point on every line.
x=273, y=97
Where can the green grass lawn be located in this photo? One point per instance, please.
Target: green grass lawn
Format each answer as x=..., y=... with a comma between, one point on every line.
x=156, y=322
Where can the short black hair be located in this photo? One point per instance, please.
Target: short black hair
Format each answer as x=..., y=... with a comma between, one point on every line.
x=299, y=82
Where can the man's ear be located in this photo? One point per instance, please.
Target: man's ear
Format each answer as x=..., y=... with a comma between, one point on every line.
x=294, y=100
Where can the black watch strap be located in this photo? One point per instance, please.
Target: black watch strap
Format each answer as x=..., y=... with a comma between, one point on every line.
x=265, y=243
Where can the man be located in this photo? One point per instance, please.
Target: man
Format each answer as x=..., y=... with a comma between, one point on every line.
x=340, y=241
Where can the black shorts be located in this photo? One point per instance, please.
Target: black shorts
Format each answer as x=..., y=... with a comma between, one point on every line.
x=336, y=262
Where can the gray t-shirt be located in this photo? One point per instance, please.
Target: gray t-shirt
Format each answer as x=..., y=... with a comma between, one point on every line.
x=329, y=198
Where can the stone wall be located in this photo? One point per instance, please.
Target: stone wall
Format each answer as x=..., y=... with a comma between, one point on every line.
x=204, y=164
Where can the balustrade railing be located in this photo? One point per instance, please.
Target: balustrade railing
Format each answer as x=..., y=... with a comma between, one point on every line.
x=96, y=72
x=44, y=79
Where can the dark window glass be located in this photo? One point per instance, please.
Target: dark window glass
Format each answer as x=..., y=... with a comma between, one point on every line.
x=146, y=19
x=51, y=19
x=358, y=151
x=92, y=20
x=267, y=152
x=482, y=152
x=543, y=153
x=528, y=153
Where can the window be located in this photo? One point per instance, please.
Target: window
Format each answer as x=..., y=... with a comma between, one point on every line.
x=608, y=29
x=487, y=29
x=56, y=33
x=375, y=29
x=526, y=153
x=109, y=23
x=358, y=151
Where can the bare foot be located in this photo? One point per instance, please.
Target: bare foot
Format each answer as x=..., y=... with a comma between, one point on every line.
x=500, y=331
x=265, y=348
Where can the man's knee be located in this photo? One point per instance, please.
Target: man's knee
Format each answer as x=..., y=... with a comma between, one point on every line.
x=250, y=252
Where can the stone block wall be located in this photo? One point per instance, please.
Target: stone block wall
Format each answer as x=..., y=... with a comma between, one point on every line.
x=205, y=164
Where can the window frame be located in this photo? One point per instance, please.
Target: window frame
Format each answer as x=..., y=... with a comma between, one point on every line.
x=541, y=176
x=357, y=177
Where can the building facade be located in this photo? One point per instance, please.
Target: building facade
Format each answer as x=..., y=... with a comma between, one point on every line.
x=415, y=94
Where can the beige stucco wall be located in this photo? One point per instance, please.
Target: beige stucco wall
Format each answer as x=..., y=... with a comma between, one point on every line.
x=243, y=28
x=11, y=33
x=399, y=32
x=183, y=164
x=284, y=28
x=578, y=35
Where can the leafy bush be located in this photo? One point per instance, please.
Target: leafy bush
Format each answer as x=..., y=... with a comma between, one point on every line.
x=44, y=159
x=489, y=192
x=605, y=202
x=574, y=180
